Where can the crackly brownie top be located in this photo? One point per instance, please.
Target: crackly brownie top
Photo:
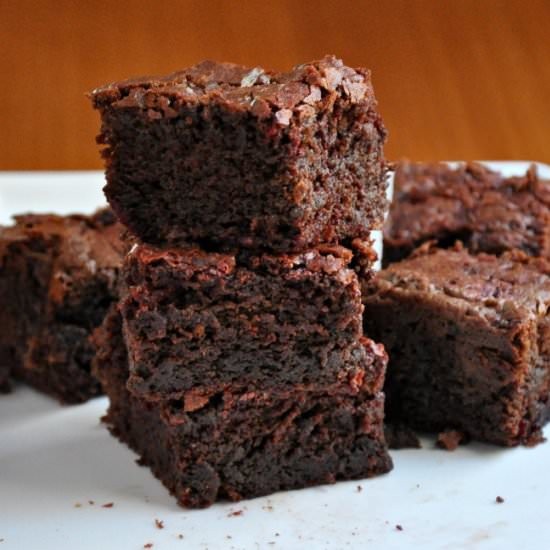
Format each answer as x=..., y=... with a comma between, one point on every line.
x=489, y=212
x=332, y=260
x=81, y=246
x=263, y=93
x=511, y=286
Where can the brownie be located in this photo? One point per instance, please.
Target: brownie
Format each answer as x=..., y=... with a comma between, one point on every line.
x=469, y=342
x=196, y=322
x=243, y=445
x=58, y=276
x=471, y=203
x=229, y=155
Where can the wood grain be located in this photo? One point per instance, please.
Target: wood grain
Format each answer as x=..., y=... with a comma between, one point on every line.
x=455, y=79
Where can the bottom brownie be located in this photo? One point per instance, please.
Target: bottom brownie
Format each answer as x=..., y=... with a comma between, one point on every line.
x=244, y=445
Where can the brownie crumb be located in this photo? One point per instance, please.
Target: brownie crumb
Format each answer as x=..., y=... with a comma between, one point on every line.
x=400, y=436
x=499, y=500
x=451, y=439
x=159, y=524
x=534, y=439
x=108, y=505
x=359, y=488
x=91, y=502
x=399, y=527
x=235, y=513
x=148, y=545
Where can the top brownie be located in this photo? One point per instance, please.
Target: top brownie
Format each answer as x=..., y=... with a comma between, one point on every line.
x=224, y=154
x=487, y=212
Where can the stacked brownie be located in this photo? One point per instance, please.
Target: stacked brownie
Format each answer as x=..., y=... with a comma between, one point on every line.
x=236, y=363
x=466, y=325
x=58, y=276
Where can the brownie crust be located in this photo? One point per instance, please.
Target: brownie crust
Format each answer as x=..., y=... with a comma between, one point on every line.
x=235, y=156
x=196, y=322
x=243, y=445
x=487, y=212
x=468, y=341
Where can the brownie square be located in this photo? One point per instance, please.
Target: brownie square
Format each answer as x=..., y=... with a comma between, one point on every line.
x=469, y=342
x=58, y=276
x=242, y=445
x=196, y=322
x=471, y=203
x=239, y=156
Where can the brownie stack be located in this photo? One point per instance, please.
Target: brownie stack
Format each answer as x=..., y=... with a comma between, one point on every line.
x=236, y=363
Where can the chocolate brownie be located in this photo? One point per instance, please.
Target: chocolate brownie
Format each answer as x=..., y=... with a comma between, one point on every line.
x=469, y=342
x=224, y=154
x=471, y=203
x=58, y=276
x=197, y=322
x=243, y=445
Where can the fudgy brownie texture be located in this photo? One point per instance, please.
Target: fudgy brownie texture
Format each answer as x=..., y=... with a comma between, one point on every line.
x=243, y=445
x=239, y=156
x=469, y=342
x=58, y=275
x=471, y=203
x=196, y=322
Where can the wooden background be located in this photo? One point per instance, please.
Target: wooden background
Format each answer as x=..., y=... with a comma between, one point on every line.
x=459, y=79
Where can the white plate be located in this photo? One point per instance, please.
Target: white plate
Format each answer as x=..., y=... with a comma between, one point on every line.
x=54, y=460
